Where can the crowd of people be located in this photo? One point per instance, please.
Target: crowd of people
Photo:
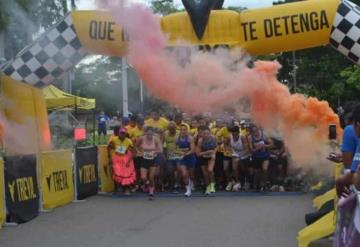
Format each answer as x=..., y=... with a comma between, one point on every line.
x=182, y=154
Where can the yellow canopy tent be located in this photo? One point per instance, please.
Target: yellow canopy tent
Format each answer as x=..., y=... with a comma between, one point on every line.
x=57, y=99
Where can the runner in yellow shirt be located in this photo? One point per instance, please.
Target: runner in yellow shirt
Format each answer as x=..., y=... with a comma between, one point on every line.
x=120, y=147
x=157, y=122
x=135, y=134
x=194, y=127
x=131, y=125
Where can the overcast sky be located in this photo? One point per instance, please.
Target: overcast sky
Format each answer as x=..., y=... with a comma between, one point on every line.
x=88, y=4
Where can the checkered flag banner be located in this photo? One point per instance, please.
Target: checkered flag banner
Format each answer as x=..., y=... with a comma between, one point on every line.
x=49, y=57
x=345, y=34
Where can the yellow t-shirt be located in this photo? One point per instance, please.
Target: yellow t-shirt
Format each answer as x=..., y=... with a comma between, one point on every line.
x=130, y=128
x=215, y=131
x=243, y=132
x=221, y=135
x=121, y=146
x=135, y=133
x=161, y=124
x=194, y=131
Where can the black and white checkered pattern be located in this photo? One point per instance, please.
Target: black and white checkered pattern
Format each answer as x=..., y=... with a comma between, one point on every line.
x=345, y=34
x=49, y=57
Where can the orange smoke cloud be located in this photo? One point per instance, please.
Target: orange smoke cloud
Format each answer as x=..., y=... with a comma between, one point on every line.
x=210, y=81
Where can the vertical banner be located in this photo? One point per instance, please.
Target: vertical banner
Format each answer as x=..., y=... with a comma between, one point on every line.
x=56, y=178
x=2, y=194
x=21, y=188
x=348, y=223
x=86, y=172
x=105, y=170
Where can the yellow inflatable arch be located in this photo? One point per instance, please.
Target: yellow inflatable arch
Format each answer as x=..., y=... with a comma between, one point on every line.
x=279, y=28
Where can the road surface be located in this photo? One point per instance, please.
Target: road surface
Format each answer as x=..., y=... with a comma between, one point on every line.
x=255, y=221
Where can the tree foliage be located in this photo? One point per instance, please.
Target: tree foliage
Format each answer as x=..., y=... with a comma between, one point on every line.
x=163, y=7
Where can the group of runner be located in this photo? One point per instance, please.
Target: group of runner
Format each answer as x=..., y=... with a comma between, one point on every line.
x=170, y=154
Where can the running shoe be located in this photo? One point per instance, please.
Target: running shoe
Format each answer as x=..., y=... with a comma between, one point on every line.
x=208, y=190
x=192, y=186
x=281, y=188
x=134, y=188
x=212, y=187
x=151, y=197
x=229, y=186
x=274, y=188
x=236, y=187
x=188, y=191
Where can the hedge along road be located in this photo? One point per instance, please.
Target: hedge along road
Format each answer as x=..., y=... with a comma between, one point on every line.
x=255, y=221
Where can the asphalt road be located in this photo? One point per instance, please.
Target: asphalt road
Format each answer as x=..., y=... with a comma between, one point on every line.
x=166, y=222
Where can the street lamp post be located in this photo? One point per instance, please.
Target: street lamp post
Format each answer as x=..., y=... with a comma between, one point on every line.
x=124, y=83
x=293, y=62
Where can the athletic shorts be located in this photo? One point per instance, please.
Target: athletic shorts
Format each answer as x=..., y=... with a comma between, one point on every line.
x=246, y=161
x=227, y=158
x=160, y=159
x=102, y=131
x=146, y=164
x=202, y=161
x=137, y=162
x=189, y=161
x=172, y=162
x=257, y=161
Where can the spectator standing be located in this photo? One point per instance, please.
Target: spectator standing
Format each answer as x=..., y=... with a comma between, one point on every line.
x=102, y=120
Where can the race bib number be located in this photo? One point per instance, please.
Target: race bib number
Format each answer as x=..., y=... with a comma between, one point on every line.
x=121, y=150
x=173, y=156
x=235, y=155
x=148, y=155
x=208, y=156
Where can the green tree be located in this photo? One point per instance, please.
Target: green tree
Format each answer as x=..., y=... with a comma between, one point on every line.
x=163, y=7
x=318, y=72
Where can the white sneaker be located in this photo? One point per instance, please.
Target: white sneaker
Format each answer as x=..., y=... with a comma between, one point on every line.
x=191, y=185
x=229, y=186
x=188, y=191
x=274, y=188
x=281, y=188
x=236, y=187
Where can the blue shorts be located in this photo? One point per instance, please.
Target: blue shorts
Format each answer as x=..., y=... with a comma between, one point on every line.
x=172, y=162
x=160, y=159
x=189, y=161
